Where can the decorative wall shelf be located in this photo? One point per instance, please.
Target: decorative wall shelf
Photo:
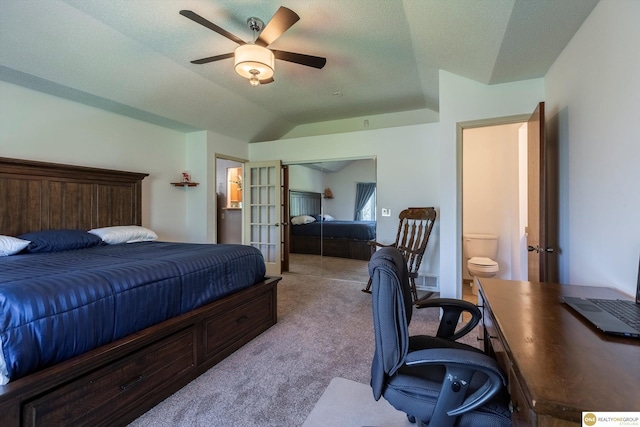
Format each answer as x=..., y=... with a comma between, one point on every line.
x=185, y=184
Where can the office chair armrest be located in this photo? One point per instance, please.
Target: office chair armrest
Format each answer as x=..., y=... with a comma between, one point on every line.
x=460, y=366
x=451, y=311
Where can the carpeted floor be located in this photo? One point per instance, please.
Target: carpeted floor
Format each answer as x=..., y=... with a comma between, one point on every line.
x=329, y=267
x=324, y=331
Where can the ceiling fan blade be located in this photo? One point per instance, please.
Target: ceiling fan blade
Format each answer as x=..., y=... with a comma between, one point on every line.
x=281, y=21
x=210, y=25
x=299, y=58
x=213, y=58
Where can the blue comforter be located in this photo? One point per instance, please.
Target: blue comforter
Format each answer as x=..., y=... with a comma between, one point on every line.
x=54, y=306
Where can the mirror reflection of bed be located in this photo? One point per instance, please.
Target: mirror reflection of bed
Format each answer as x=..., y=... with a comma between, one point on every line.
x=329, y=239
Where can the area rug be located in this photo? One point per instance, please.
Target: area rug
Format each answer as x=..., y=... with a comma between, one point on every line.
x=347, y=403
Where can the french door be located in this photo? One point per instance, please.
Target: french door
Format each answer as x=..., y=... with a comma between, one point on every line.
x=262, y=212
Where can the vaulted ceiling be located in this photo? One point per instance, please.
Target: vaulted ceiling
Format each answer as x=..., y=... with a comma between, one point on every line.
x=383, y=57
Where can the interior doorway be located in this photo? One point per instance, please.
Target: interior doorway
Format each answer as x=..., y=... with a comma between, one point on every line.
x=494, y=192
x=229, y=200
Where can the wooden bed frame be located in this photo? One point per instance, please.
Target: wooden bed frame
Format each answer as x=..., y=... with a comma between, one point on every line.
x=309, y=203
x=115, y=383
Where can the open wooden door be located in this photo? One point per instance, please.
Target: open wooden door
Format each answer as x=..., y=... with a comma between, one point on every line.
x=263, y=211
x=284, y=194
x=542, y=229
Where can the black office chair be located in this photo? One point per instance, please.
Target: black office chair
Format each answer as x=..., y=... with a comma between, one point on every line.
x=438, y=382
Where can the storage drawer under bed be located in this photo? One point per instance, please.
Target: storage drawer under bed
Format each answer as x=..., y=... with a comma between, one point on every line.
x=100, y=397
x=223, y=332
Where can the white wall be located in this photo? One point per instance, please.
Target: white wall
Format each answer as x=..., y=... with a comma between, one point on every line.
x=520, y=265
x=593, y=107
x=37, y=126
x=408, y=168
x=201, y=150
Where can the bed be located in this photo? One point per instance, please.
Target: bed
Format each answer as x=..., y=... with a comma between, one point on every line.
x=131, y=322
x=343, y=239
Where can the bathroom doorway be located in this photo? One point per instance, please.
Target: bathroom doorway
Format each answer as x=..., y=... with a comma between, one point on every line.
x=494, y=193
x=538, y=168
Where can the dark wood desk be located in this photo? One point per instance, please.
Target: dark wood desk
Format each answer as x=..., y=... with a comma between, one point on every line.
x=558, y=364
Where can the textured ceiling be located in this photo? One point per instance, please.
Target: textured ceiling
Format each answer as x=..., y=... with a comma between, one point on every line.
x=383, y=56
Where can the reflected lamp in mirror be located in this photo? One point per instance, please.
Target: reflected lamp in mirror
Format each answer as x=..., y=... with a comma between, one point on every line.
x=328, y=194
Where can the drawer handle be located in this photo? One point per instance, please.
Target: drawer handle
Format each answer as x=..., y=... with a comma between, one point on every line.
x=242, y=319
x=125, y=387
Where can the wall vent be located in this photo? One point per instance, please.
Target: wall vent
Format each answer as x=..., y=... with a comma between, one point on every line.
x=428, y=283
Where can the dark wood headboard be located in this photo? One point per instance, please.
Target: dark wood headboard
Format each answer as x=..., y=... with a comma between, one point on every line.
x=304, y=203
x=45, y=196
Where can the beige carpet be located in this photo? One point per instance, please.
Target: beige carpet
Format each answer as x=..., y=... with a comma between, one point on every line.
x=324, y=331
x=329, y=267
x=347, y=403
x=353, y=270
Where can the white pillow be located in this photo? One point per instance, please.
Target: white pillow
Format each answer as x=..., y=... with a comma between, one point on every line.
x=327, y=217
x=11, y=245
x=302, y=219
x=124, y=234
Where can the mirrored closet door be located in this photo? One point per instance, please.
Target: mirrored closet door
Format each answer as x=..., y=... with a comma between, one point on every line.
x=332, y=217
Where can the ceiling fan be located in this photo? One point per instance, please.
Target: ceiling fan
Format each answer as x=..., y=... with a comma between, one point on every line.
x=253, y=60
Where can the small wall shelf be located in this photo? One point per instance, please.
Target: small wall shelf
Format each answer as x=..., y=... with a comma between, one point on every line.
x=185, y=184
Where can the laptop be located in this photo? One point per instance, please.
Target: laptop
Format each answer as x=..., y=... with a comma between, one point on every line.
x=615, y=317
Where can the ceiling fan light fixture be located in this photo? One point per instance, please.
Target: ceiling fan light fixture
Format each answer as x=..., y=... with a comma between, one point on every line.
x=254, y=80
x=254, y=62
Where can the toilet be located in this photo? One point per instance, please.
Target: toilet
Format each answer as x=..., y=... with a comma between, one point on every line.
x=481, y=251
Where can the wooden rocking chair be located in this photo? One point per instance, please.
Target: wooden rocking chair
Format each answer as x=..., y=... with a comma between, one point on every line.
x=413, y=235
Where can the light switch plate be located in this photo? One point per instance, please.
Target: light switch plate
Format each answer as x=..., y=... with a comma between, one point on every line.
x=386, y=212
